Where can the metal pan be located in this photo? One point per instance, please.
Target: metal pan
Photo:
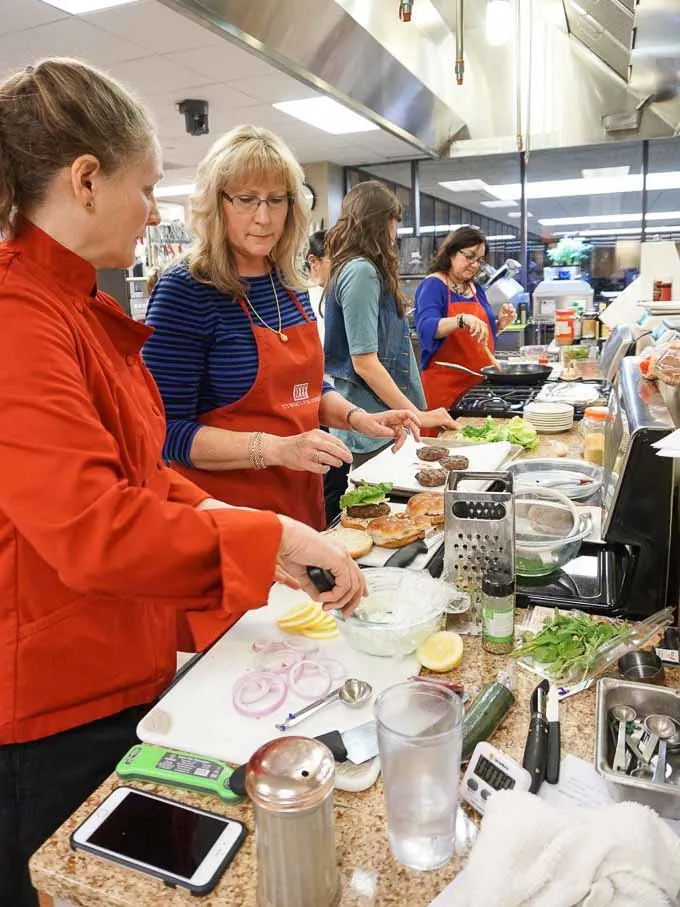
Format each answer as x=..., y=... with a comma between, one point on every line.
x=507, y=373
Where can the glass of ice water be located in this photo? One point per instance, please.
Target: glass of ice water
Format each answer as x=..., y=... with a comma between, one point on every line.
x=420, y=734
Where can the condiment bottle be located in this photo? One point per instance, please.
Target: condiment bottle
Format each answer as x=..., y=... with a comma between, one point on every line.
x=593, y=426
x=498, y=613
x=290, y=782
x=564, y=326
x=589, y=326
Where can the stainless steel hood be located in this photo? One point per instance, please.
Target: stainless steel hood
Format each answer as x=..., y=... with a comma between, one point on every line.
x=580, y=63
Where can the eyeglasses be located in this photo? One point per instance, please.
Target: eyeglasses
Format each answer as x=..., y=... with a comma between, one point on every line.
x=470, y=257
x=249, y=204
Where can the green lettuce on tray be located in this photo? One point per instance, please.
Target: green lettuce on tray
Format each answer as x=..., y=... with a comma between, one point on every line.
x=514, y=430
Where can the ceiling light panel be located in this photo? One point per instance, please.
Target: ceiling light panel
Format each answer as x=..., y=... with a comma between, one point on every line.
x=500, y=203
x=609, y=218
x=80, y=7
x=605, y=172
x=175, y=191
x=326, y=114
x=605, y=185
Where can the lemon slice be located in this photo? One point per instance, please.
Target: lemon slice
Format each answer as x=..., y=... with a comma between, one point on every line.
x=327, y=633
x=300, y=615
x=324, y=622
x=440, y=652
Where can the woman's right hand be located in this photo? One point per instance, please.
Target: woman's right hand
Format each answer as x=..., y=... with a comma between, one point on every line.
x=476, y=327
x=312, y=451
x=302, y=547
x=437, y=418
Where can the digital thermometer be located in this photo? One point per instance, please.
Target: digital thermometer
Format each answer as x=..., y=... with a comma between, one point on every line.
x=156, y=763
x=490, y=770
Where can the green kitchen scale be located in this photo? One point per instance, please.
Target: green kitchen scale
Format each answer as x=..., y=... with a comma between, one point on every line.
x=156, y=763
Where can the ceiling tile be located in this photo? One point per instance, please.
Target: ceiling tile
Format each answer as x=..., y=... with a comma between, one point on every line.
x=16, y=16
x=68, y=37
x=154, y=75
x=273, y=88
x=154, y=26
x=223, y=62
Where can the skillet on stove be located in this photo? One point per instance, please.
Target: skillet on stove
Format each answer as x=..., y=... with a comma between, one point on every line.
x=507, y=373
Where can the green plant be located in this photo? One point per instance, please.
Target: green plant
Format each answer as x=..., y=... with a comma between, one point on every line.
x=570, y=250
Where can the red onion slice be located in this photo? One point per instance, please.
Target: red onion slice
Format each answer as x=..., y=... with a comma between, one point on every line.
x=268, y=689
x=335, y=668
x=279, y=662
x=264, y=646
x=303, y=646
x=309, y=679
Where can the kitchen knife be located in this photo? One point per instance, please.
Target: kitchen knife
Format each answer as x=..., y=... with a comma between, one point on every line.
x=402, y=557
x=536, y=747
x=359, y=744
x=322, y=579
x=552, y=768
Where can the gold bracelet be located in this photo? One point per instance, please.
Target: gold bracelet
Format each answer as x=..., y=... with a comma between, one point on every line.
x=350, y=413
x=255, y=451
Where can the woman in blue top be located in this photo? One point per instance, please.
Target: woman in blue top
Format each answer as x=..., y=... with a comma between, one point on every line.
x=367, y=344
x=454, y=320
x=236, y=352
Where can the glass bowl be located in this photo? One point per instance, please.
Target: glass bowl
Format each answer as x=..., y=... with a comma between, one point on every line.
x=548, y=530
x=402, y=609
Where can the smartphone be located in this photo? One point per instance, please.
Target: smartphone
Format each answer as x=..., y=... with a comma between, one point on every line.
x=179, y=844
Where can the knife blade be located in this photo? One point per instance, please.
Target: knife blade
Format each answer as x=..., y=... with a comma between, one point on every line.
x=402, y=557
x=552, y=768
x=536, y=747
x=357, y=745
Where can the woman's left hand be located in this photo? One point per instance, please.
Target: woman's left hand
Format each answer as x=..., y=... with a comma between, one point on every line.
x=394, y=423
x=506, y=316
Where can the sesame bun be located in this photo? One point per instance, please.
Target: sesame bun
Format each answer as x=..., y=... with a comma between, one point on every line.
x=428, y=504
x=398, y=530
x=355, y=542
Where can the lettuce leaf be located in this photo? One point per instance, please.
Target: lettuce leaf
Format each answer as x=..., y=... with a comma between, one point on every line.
x=514, y=430
x=366, y=494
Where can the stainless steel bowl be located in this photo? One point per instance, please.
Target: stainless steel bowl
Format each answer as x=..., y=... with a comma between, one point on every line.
x=646, y=700
x=555, y=472
x=641, y=667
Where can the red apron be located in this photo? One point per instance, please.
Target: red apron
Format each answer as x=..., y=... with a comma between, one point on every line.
x=443, y=386
x=284, y=400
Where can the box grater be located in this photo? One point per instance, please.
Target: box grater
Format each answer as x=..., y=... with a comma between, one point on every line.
x=479, y=536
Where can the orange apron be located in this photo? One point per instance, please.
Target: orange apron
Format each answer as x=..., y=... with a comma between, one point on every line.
x=443, y=386
x=283, y=400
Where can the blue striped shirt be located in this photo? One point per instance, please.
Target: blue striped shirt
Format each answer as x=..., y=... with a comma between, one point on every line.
x=203, y=353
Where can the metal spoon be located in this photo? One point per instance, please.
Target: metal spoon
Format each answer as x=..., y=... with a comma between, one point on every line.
x=352, y=692
x=623, y=714
x=663, y=728
x=460, y=368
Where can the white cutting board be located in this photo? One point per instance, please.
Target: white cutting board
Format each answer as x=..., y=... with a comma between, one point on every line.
x=197, y=713
x=401, y=467
x=378, y=555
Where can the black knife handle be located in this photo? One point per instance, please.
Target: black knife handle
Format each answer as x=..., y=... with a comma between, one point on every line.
x=333, y=740
x=552, y=767
x=536, y=751
x=402, y=557
x=322, y=579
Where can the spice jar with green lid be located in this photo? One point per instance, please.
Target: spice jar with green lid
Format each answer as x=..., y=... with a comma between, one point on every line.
x=498, y=612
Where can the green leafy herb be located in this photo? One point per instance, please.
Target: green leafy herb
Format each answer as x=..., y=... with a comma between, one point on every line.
x=515, y=430
x=366, y=494
x=569, y=643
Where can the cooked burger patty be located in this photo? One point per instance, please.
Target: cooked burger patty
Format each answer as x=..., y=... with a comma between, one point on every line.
x=455, y=463
x=431, y=478
x=368, y=511
x=431, y=454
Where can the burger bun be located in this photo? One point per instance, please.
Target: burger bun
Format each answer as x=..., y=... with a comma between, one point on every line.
x=427, y=504
x=356, y=542
x=397, y=530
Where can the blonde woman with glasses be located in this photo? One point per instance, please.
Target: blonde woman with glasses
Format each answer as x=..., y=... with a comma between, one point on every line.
x=236, y=351
x=454, y=320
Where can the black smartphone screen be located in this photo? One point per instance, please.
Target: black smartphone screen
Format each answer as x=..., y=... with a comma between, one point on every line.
x=162, y=835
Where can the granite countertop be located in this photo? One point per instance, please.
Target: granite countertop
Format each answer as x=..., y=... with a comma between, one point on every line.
x=370, y=875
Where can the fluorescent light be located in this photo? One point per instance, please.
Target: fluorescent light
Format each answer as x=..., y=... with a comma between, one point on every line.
x=466, y=186
x=500, y=203
x=501, y=236
x=519, y=214
x=79, y=7
x=498, y=25
x=669, y=179
x=175, y=191
x=604, y=172
x=609, y=218
x=326, y=114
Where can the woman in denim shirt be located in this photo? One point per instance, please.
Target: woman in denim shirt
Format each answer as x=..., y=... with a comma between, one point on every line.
x=367, y=344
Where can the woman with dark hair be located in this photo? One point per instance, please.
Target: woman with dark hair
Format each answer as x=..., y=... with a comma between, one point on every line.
x=367, y=344
x=454, y=320
x=318, y=267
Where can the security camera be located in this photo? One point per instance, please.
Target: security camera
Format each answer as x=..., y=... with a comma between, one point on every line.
x=195, y=116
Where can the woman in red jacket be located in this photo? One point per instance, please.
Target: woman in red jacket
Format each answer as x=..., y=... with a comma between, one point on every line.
x=105, y=553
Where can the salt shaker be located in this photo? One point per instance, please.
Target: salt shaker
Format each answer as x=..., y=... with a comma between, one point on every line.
x=290, y=783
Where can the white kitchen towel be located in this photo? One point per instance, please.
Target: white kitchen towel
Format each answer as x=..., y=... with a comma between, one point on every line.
x=530, y=854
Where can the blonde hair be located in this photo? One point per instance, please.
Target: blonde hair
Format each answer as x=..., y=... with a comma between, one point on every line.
x=51, y=114
x=246, y=153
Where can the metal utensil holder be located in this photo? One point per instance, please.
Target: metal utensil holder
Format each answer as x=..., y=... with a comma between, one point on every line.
x=479, y=537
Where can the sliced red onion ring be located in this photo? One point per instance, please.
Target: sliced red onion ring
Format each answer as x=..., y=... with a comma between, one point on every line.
x=279, y=662
x=335, y=668
x=309, y=679
x=302, y=646
x=264, y=646
x=259, y=693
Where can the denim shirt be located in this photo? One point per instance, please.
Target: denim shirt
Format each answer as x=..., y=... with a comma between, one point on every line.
x=394, y=351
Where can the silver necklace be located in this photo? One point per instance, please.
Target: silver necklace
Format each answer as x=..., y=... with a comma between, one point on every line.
x=282, y=337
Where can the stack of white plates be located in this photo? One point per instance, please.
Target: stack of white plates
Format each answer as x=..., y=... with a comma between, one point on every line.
x=549, y=417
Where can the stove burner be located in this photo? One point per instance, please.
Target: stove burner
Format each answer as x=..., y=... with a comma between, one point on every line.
x=494, y=400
